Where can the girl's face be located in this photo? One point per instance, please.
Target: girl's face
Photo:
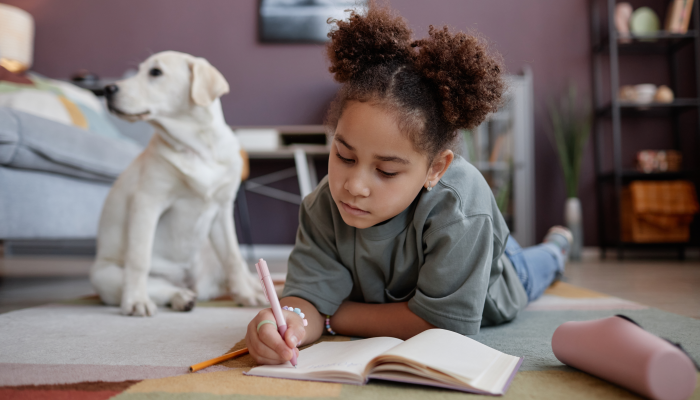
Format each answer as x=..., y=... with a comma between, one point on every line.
x=374, y=172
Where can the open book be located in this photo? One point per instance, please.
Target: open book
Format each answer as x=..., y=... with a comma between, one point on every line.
x=436, y=357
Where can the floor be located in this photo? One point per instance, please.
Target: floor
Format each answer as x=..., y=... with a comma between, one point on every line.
x=669, y=285
x=672, y=286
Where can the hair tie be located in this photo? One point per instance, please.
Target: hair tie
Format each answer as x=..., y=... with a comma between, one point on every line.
x=266, y=321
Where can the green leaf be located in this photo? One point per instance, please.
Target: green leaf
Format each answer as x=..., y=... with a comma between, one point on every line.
x=569, y=134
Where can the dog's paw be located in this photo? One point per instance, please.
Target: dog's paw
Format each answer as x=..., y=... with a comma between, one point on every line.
x=138, y=305
x=246, y=290
x=183, y=300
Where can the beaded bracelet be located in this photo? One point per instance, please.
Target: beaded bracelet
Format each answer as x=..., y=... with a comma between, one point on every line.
x=328, y=325
x=298, y=312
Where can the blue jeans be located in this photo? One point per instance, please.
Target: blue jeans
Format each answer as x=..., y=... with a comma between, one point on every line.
x=536, y=266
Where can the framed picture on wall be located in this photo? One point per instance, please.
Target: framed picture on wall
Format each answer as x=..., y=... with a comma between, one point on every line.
x=300, y=21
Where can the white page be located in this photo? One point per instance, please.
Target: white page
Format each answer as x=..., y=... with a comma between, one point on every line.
x=501, y=371
x=326, y=360
x=397, y=376
x=448, y=352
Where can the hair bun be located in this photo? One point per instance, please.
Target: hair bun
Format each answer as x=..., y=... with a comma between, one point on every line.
x=364, y=41
x=467, y=77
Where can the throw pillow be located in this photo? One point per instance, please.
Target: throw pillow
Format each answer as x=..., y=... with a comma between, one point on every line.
x=57, y=101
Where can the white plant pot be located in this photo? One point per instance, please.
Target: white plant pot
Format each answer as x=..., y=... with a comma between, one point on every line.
x=574, y=221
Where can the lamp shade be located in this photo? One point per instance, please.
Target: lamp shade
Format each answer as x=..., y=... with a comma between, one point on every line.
x=16, y=38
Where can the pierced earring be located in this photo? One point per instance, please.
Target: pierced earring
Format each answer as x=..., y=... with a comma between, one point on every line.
x=429, y=187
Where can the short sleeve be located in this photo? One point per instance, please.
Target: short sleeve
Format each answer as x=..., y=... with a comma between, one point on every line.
x=315, y=272
x=454, y=279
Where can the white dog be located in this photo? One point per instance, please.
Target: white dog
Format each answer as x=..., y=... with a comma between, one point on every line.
x=175, y=197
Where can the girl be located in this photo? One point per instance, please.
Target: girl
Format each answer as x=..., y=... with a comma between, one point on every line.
x=403, y=235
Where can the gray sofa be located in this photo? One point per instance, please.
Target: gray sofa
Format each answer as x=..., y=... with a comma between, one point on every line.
x=54, y=179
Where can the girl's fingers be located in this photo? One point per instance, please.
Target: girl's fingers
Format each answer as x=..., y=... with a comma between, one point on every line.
x=259, y=348
x=260, y=352
x=266, y=361
x=270, y=338
x=267, y=346
x=295, y=331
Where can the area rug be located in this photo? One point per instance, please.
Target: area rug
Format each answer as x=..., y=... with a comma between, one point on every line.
x=84, y=350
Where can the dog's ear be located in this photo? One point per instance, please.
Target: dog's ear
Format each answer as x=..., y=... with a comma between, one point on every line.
x=207, y=83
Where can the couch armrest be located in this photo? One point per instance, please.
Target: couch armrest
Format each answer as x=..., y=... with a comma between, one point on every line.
x=34, y=143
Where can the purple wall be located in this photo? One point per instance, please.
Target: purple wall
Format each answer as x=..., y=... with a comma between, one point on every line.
x=289, y=84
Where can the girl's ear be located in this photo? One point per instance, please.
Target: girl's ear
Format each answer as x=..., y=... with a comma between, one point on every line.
x=440, y=164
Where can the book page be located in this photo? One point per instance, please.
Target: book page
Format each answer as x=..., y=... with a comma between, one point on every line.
x=449, y=353
x=406, y=377
x=498, y=375
x=343, y=362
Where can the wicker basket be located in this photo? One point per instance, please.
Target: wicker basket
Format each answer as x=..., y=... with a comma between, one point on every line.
x=654, y=212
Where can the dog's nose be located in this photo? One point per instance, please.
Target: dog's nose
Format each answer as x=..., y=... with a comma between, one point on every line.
x=110, y=90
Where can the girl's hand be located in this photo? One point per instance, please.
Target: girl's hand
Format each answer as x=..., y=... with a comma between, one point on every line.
x=266, y=345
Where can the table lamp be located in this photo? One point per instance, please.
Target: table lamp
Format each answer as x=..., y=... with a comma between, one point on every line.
x=16, y=38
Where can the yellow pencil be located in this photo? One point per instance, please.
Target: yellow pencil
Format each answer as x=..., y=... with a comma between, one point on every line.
x=217, y=360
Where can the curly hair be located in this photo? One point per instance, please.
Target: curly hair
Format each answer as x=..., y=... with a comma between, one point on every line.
x=432, y=86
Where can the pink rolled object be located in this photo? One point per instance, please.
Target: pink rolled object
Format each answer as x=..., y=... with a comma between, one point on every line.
x=621, y=352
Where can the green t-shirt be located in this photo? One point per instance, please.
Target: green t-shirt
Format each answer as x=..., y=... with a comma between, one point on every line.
x=443, y=255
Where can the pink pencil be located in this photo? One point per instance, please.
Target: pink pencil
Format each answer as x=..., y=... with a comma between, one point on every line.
x=269, y=289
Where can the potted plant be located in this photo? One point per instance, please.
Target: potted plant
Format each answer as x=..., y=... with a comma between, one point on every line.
x=571, y=128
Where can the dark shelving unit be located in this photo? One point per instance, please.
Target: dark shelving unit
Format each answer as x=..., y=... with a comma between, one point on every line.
x=634, y=175
x=648, y=110
x=605, y=43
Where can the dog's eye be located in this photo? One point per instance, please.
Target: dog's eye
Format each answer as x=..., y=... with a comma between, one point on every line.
x=155, y=72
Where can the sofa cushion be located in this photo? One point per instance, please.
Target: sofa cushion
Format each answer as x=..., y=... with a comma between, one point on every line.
x=41, y=205
x=34, y=143
x=58, y=101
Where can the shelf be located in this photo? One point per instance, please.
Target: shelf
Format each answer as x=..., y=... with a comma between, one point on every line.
x=654, y=245
x=634, y=175
x=680, y=248
x=608, y=59
x=628, y=109
x=652, y=44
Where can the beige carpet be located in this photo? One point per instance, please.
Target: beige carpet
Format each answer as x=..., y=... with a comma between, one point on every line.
x=83, y=350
